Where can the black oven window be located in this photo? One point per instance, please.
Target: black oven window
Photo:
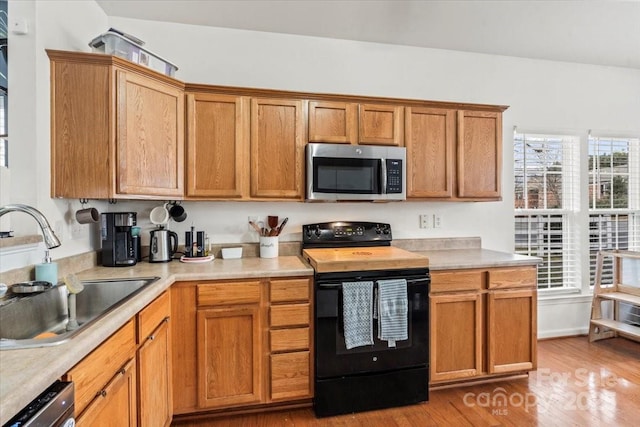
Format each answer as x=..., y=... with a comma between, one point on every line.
x=346, y=175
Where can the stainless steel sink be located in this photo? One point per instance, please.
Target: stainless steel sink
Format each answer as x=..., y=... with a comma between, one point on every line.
x=41, y=319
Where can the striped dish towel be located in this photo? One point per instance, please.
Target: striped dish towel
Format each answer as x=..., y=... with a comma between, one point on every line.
x=357, y=308
x=392, y=311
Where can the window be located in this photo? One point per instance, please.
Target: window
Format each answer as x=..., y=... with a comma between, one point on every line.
x=4, y=99
x=546, y=199
x=614, y=199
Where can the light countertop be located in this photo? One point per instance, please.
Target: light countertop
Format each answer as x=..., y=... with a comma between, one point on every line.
x=26, y=373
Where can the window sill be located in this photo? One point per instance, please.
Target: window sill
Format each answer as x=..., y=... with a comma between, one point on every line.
x=11, y=242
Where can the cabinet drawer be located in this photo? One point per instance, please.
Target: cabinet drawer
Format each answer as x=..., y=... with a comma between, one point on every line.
x=150, y=317
x=457, y=281
x=289, y=290
x=228, y=293
x=94, y=371
x=290, y=375
x=289, y=339
x=522, y=277
x=289, y=315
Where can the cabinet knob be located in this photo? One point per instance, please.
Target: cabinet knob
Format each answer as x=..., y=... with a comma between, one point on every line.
x=103, y=393
x=152, y=337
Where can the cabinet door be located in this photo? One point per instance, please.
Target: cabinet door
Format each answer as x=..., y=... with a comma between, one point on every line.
x=511, y=330
x=150, y=137
x=429, y=138
x=81, y=150
x=290, y=377
x=277, y=149
x=380, y=124
x=479, y=154
x=333, y=122
x=91, y=374
x=154, y=374
x=229, y=356
x=217, y=146
x=184, y=342
x=115, y=405
x=456, y=336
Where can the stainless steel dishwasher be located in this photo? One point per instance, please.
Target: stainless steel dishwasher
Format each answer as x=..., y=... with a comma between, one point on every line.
x=53, y=408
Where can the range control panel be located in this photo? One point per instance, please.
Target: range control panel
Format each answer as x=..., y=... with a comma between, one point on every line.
x=346, y=233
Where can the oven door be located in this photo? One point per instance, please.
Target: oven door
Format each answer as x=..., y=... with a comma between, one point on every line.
x=332, y=357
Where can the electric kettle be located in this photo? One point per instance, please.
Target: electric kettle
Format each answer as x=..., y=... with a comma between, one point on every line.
x=163, y=245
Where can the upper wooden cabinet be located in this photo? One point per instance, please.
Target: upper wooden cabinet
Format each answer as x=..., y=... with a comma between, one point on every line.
x=479, y=154
x=217, y=146
x=117, y=129
x=453, y=154
x=352, y=123
x=333, y=122
x=430, y=139
x=118, y=132
x=277, y=149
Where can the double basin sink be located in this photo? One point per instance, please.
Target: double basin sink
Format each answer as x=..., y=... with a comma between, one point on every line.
x=42, y=319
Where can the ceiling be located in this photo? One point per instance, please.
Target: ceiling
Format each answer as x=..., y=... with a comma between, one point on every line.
x=601, y=32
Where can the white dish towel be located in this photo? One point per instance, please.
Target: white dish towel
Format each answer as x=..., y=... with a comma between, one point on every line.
x=392, y=311
x=357, y=311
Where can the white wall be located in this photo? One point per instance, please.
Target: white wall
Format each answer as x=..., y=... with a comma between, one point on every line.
x=542, y=95
x=66, y=25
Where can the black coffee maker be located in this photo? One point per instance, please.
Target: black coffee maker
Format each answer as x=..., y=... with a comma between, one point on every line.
x=118, y=246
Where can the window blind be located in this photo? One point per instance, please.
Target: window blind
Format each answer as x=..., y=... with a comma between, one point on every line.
x=546, y=201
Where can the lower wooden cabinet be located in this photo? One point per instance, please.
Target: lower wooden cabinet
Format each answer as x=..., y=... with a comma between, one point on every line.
x=483, y=323
x=115, y=385
x=511, y=330
x=115, y=405
x=154, y=363
x=241, y=343
x=101, y=368
x=229, y=356
x=457, y=340
x=290, y=333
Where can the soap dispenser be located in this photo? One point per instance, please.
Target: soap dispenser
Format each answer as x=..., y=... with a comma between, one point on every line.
x=48, y=270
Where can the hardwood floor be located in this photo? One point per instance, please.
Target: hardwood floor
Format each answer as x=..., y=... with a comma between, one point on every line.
x=577, y=384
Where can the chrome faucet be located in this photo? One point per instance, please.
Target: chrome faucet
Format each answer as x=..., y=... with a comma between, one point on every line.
x=50, y=239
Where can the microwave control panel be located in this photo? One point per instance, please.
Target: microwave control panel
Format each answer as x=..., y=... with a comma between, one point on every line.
x=394, y=176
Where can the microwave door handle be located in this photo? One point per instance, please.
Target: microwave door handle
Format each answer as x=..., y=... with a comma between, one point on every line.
x=383, y=170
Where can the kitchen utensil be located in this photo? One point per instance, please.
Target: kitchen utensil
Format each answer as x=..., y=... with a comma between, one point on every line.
x=272, y=221
x=163, y=245
x=256, y=227
x=159, y=215
x=284, y=222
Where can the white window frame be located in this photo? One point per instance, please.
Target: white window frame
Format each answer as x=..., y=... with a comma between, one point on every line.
x=568, y=252
x=631, y=212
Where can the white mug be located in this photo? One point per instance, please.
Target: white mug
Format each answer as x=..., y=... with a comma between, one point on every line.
x=159, y=215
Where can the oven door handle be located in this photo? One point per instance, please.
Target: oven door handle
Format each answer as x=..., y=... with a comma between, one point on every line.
x=339, y=285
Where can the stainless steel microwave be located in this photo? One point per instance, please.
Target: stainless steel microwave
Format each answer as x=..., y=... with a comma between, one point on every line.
x=355, y=172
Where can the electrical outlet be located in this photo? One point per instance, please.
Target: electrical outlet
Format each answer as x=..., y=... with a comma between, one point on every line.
x=77, y=230
x=437, y=221
x=424, y=221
